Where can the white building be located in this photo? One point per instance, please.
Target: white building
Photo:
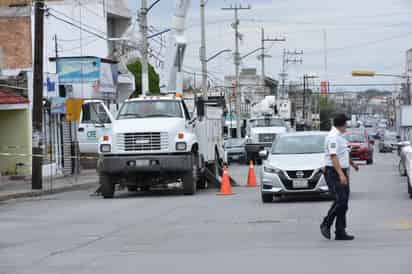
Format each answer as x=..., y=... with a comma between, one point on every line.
x=77, y=28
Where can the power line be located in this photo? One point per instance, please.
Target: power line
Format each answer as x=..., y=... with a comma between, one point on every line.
x=74, y=20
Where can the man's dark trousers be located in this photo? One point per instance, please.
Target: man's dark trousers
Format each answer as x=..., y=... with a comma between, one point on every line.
x=340, y=193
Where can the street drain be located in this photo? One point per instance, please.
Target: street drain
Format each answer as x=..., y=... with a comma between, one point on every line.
x=261, y=222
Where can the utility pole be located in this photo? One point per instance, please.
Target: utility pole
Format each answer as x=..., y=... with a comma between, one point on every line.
x=37, y=123
x=289, y=57
x=203, y=48
x=144, y=47
x=236, y=8
x=263, y=55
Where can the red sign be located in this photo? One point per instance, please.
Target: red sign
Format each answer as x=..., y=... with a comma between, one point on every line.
x=324, y=87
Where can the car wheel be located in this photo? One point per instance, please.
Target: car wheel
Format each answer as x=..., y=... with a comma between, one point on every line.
x=106, y=186
x=267, y=198
x=402, y=169
x=369, y=161
x=409, y=189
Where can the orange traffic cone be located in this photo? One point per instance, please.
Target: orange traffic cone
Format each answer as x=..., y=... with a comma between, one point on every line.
x=251, y=177
x=226, y=188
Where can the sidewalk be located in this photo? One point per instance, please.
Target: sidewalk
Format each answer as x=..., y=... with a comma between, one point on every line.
x=13, y=189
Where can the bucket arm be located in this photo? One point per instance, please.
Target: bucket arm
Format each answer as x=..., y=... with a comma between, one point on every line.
x=172, y=75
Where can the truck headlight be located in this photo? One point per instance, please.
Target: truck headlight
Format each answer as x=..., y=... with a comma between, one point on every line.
x=271, y=170
x=105, y=148
x=181, y=146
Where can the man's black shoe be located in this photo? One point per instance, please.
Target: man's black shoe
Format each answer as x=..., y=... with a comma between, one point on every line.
x=344, y=237
x=325, y=231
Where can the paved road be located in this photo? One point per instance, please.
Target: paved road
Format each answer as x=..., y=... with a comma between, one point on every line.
x=164, y=232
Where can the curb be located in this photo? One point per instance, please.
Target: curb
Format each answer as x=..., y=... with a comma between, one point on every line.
x=38, y=193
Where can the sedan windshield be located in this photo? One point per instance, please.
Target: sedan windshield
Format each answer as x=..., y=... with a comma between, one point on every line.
x=304, y=144
x=150, y=109
x=267, y=122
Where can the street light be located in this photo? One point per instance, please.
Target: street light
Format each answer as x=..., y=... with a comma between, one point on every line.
x=371, y=73
x=217, y=54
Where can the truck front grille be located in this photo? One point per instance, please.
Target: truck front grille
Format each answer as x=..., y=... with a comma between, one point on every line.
x=144, y=141
x=267, y=137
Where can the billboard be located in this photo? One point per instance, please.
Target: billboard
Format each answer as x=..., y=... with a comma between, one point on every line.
x=78, y=70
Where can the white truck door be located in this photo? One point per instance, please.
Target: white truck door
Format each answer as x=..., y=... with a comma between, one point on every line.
x=95, y=121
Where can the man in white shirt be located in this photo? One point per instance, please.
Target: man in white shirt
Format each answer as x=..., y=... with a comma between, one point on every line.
x=337, y=165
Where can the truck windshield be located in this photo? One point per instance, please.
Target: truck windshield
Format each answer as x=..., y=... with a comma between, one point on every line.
x=150, y=109
x=267, y=122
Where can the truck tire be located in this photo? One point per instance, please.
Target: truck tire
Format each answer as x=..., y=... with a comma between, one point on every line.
x=190, y=178
x=402, y=169
x=106, y=186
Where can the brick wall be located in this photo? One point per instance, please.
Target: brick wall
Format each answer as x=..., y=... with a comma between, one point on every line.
x=15, y=42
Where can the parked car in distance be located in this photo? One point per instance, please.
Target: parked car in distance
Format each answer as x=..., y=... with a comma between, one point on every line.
x=361, y=148
x=294, y=165
x=372, y=132
x=389, y=142
x=235, y=150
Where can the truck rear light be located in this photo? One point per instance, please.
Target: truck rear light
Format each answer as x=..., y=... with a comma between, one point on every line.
x=106, y=138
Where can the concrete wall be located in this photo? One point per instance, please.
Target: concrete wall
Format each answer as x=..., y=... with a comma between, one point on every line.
x=15, y=138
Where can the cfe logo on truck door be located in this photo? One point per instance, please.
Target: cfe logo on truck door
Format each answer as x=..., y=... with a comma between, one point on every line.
x=91, y=135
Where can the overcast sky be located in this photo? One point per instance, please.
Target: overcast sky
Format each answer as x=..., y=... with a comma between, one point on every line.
x=370, y=34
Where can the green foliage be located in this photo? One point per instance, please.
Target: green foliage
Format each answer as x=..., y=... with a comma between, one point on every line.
x=154, y=80
x=327, y=111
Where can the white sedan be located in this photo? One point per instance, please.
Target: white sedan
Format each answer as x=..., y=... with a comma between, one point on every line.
x=294, y=166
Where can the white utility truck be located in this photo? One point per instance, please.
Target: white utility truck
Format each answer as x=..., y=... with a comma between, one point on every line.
x=261, y=132
x=157, y=141
x=263, y=128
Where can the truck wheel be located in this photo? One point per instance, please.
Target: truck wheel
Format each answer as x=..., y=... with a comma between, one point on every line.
x=267, y=198
x=201, y=183
x=402, y=170
x=190, y=179
x=106, y=186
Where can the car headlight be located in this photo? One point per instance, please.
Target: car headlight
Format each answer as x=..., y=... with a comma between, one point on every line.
x=271, y=170
x=181, y=146
x=105, y=148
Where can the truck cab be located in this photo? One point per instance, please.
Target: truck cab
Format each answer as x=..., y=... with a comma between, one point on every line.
x=154, y=140
x=261, y=132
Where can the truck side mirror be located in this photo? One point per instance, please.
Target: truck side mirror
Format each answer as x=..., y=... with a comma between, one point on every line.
x=263, y=154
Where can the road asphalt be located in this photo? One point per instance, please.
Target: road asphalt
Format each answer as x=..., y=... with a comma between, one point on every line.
x=165, y=232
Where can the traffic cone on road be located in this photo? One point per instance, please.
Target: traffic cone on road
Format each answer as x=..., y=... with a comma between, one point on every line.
x=251, y=177
x=226, y=188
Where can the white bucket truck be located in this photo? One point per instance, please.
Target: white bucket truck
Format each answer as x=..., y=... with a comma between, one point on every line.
x=155, y=140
